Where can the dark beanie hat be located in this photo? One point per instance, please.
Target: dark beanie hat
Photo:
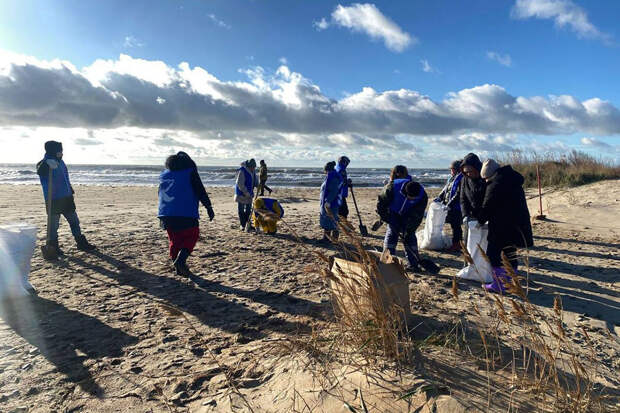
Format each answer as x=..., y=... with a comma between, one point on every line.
x=412, y=188
x=53, y=147
x=456, y=164
x=472, y=159
x=329, y=166
x=251, y=163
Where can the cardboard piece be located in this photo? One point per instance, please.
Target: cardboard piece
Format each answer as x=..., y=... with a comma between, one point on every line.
x=351, y=286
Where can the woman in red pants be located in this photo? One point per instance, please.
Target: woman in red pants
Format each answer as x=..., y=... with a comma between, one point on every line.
x=180, y=190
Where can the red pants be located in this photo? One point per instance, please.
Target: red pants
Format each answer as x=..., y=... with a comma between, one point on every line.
x=186, y=238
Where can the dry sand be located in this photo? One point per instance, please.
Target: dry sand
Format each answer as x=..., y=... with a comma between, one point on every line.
x=100, y=336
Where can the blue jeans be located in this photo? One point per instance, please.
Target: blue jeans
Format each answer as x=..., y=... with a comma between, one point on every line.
x=244, y=212
x=410, y=242
x=72, y=219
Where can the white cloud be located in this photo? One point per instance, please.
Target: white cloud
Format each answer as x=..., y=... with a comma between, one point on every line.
x=504, y=60
x=564, y=13
x=595, y=142
x=367, y=18
x=321, y=24
x=218, y=22
x=145, y=94
x=131, y=42
x=426, y=67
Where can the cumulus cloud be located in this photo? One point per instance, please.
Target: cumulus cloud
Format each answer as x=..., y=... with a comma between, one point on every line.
x=367, y=18
x=138, y=93
x=564, y=13
x=504, y=60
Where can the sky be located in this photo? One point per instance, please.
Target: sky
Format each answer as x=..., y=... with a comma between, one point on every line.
x=301, y=82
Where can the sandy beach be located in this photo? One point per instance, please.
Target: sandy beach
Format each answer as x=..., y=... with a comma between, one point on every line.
x=105, y=334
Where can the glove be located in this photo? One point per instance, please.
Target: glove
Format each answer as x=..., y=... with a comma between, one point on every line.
x=52, y=163
x=349, y=183
x=211, y=213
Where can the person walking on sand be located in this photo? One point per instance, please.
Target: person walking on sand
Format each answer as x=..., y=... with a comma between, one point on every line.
x=331, y=196
x=505, y=209
x=397, y=172
x=450, y=197
x=401, y=204
x=262, y=177
x=471, y=190
x=62, y=202
x=244, y=190
x=341, y=168
x=180, y=190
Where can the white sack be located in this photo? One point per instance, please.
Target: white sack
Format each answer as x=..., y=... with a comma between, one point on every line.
x=481, y=269
x=17, y=242
x=432, y=237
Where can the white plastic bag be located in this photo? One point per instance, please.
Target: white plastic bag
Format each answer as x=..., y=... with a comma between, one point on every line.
x=432, y=237
x=481, y=269
x=17, y=242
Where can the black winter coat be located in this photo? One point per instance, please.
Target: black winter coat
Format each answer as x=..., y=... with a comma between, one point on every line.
x=472, y=196
x=505, y=208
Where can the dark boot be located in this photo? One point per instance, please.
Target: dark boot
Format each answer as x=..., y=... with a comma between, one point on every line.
x=54, y=243
x=180, y=264
x=83, y=244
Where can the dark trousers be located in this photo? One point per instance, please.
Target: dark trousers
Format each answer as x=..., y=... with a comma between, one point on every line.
x=262, y=185
x=244, y=212
x=344, y=208
x=410, y=242
x=494, y=252
x=455, y=220
x=72, y=219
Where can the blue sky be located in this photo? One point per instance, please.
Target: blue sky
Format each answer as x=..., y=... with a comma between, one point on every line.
x=441, y=76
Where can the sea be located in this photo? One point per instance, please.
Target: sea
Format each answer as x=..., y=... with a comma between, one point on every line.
x=147, y=175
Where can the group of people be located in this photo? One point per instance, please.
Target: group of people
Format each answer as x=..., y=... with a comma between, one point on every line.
x=475, y=191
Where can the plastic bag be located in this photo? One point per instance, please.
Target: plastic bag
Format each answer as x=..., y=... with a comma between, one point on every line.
x=481, y=269
x=432, y=237
x=17, y=242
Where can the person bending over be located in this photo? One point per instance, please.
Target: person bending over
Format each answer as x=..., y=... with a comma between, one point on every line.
x=505, y=209
x=62, y=202
x=397, y=172
x=267, y=213
x=180, y=190
x=401, y=204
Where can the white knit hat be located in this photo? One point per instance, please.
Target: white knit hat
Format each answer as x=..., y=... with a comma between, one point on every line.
x=489, y=168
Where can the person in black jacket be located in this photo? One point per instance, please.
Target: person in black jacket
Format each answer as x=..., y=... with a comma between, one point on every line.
x=180, y=190
x=401, y=204
x=505, y=209
x=471, y=190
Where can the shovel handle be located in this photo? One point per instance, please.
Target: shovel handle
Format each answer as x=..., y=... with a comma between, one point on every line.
x=356, y=209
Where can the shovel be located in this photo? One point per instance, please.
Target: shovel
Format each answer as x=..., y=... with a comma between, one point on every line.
x=363, y=229
x=48, y=251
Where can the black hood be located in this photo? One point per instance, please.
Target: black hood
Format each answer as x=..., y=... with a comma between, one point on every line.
x=53, y=147
x=510, y=175
x=472, y=159
x=179, y=162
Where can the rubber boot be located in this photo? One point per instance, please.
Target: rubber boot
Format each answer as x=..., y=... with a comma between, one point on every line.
x=83, y=244
x=500, y=279
x=180, y=264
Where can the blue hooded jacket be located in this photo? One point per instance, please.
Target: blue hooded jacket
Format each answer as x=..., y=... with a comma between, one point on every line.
x=61, y=185
x=176, y=195
x=331, y=192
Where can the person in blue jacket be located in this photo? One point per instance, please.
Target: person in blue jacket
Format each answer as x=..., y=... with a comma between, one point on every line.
x=450, y=196
x=244, y=191
x=401, y=204
x=62, y=202
x=330, y=200
x=341, y=168
x=180, y=190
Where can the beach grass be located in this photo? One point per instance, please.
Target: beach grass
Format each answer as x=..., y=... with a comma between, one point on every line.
x=561, y=169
